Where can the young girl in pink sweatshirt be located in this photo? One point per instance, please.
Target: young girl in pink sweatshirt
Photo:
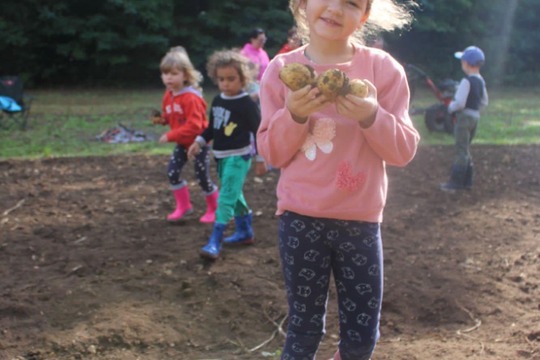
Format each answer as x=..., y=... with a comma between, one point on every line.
x=332, y=155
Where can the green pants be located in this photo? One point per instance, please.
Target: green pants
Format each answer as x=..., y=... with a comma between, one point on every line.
x=464, y=132
x=232, y=172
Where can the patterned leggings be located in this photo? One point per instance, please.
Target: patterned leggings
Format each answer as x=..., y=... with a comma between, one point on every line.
x=201, y=164
x=313, y=248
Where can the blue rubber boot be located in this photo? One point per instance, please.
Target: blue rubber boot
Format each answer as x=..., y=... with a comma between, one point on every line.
x=213, y=247
x=243, y=234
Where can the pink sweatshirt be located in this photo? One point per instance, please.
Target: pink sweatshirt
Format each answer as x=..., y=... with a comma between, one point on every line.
x=330, y=166
x=257, y=56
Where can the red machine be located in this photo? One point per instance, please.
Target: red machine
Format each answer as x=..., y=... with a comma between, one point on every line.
x=436, y=116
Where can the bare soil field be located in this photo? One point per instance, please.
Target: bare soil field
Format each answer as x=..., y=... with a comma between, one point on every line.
x=89, y=268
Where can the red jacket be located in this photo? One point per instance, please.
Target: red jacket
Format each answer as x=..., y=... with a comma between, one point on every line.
x=185, y=112
x=285, y=49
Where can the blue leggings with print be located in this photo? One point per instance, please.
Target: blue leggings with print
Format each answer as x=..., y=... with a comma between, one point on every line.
x=201, y=165
x=312, y=249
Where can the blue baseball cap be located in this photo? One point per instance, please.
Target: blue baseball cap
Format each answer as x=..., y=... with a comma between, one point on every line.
x=472, y=55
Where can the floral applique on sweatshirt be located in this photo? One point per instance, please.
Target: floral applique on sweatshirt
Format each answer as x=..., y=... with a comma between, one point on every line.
x=348, y=181
x=320, y=138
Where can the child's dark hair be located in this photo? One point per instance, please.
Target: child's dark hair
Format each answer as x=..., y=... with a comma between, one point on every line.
x=292, y=32
x=232, y=58
x=255, y=33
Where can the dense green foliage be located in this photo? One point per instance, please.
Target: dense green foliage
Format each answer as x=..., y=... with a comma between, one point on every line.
x=120, y=42
x=508, y=38
x=74, y=42
x=107, y=42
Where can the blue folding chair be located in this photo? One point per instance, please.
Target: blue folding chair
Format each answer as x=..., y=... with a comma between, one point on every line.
x=14, y=105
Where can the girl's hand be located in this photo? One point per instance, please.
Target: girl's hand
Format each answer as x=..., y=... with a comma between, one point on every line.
x=193, y=150
x=363, y=110
x=163, y=138
x=304, y=102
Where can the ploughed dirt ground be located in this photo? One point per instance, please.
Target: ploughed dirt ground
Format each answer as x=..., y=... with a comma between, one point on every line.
x=89, y=269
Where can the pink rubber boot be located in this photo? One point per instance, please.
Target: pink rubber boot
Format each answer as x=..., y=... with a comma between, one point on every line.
x=183, y=204
x=211, y=206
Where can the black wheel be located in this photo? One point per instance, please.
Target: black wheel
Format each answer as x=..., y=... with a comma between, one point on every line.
x=436, y=118
x=449, y=124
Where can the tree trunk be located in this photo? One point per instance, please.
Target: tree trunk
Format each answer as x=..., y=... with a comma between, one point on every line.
x=502, y=43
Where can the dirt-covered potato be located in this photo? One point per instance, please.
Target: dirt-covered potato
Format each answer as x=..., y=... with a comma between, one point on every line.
x=296, y=75
x=332, y=83
x=358, y=88
x=155, y=117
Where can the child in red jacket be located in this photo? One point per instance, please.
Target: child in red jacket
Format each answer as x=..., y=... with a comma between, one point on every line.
x=184, y=110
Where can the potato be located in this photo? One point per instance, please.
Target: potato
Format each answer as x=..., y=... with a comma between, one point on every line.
x=332, y=83
x=358, y=88
x=155, y=117
x=297, y=76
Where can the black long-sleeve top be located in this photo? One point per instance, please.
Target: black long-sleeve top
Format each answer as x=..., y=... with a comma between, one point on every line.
x=234, y=121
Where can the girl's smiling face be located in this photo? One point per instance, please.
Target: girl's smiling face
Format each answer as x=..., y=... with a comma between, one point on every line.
x=229, y=81
x=334, y=19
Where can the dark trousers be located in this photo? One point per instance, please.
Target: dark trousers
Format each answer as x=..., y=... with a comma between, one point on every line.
x=311, y=250
x=201, y=165
x=464, y=132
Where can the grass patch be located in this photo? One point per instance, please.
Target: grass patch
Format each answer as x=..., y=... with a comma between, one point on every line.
x=512, y=118
x=66, y=123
